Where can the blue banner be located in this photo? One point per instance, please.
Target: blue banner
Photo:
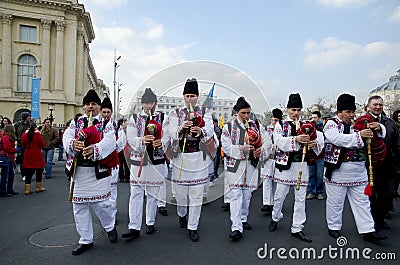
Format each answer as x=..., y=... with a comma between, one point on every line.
x=35, y=109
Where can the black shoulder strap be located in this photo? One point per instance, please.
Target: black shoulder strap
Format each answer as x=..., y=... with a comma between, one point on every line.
x=162, y=117
x=135, y=117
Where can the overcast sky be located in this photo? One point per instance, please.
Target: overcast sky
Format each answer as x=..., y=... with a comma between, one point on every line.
x=319, y=48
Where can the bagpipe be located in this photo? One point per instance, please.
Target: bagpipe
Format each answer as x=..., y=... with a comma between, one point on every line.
x=375, y=149
x=253, y=138
x=306, y=128
x=155, y=129
x=198, y=121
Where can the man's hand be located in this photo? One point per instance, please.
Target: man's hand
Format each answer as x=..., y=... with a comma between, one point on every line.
x=87, y=152
x=196, y=131
x=186, y=125
x=247, y=148
x=375, y=126
x=366, y=133
x=257, y=152
x=302, y=139
x=148, y=139
x=78, y=145
x=157, y=143
x=312, y=144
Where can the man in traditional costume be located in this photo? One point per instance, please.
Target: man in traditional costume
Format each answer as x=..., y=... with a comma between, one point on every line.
x=268, y=168
x=346, y=173
x=191, y=130
x=106, y=113
x=293, y=149
x=90, y=145
x=244, y=142
x=148, y=167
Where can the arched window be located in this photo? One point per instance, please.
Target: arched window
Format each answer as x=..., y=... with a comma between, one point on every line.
x=26, y=70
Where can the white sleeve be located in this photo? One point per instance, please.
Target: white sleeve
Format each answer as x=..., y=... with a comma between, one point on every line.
x=208, y=129
x=69, y=138
x=266, y=150
x=230, y=149
x=121, y=142
x=133, y=140
x=332, y=135
x=286, y=144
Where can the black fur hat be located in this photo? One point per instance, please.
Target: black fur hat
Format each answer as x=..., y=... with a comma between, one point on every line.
x=191, y=87
x=149, y=96
x=294, y=101
x=277, y=113
x=346, y=102
x=106, y=103
x=241, y=103
x=91, y=96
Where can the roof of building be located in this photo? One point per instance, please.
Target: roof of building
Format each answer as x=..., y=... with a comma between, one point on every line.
x=393, y=84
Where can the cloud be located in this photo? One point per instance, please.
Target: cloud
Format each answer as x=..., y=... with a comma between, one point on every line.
x=345, y=3
x=332, y=51
x=155, y=31
x=142, y=55
x=105, y=4
x=395, y=16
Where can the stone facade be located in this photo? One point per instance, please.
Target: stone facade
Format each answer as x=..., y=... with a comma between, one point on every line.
x=53, y=36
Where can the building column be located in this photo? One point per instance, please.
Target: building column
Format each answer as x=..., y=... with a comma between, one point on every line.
x=45, y=76
x=6, y=52
x=80, y=63
x=86, y=85
x=59, y=68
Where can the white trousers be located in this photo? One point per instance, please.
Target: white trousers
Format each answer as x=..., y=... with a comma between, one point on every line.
x=299, y=211
x=239, y=206
x=83, y=218
x=359, y=203
x=162, y=196
x=136, y=206
x=114, y=190
x=195, y=195
x=269, y=187
x=227, y=195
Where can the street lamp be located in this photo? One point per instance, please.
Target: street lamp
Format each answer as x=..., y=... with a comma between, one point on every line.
x=117, y=108
x=51, y=108
x=116, y=65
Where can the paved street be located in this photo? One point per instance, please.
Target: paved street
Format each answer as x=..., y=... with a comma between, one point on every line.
x=39, y=229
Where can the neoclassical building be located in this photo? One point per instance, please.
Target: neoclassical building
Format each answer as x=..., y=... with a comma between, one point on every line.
x=390, y=92
x=47, y=39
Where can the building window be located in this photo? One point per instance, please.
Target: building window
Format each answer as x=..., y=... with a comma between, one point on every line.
x=27, y=33
x=26, y=70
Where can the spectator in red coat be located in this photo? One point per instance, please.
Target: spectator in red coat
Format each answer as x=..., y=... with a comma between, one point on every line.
x=32, y=142
x=8, y=149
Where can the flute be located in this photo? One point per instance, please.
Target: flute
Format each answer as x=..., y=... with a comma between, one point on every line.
x=305, y=148
x=144, y=153
x=370, y=169
x=247, y=159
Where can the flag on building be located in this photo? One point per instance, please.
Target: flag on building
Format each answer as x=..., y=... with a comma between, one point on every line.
x=209, y=102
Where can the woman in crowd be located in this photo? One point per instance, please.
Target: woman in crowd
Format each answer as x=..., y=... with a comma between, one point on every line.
x=8, y=149
x=4, y=122
x=32, y=142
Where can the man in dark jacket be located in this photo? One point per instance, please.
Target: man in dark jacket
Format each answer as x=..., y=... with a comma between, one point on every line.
x=384, y=175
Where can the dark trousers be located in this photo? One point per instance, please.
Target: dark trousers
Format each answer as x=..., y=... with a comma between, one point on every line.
x=124, y=172
x=10, y=182
x=20, y=158
x=3, y=181
x=382, y=195
x=29, y=174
